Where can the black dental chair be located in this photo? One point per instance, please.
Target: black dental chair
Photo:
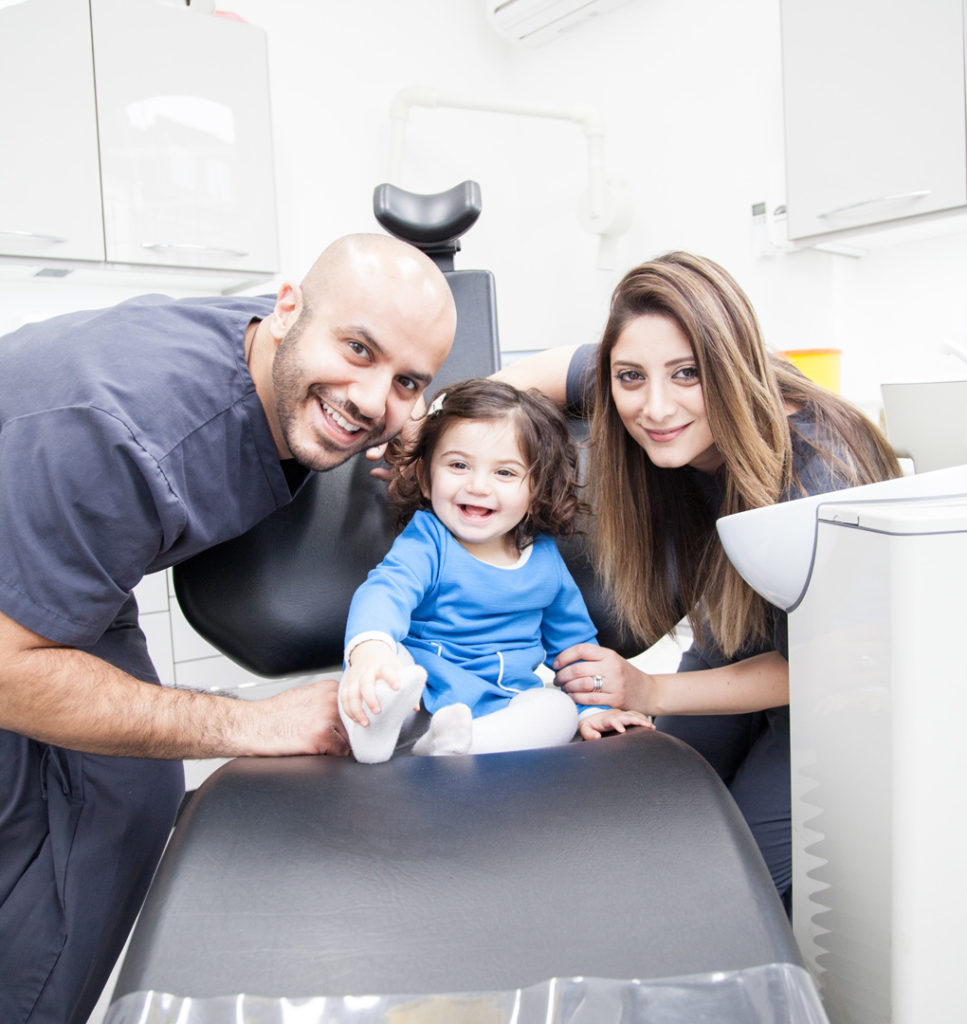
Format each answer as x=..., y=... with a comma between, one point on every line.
x=604, y=881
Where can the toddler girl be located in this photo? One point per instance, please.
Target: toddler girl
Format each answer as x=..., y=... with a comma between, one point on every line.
x=473, y=595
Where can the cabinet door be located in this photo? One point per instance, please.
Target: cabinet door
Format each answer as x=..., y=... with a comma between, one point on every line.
x=50, y=194
x=185, y=137
x=874, y=111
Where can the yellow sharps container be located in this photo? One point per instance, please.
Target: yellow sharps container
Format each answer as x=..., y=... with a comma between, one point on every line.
x=820, y=365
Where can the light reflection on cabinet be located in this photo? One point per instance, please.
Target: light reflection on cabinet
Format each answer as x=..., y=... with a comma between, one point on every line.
x=183, y=108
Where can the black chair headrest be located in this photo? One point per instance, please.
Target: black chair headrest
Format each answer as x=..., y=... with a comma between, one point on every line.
x=433, y=223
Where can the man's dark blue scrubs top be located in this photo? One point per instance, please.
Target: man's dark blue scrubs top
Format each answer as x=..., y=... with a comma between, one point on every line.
x=130, y=438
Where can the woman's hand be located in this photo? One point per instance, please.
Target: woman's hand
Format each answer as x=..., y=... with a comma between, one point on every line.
x=597, y=675
x=752, y=684
x=593, y=727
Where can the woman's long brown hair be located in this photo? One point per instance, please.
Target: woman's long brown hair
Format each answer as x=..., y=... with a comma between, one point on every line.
x=656, y=547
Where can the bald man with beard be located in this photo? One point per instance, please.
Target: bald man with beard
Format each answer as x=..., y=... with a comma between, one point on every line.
x=130, y=439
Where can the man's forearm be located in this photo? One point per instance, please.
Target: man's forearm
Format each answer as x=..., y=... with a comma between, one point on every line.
x=69, y=698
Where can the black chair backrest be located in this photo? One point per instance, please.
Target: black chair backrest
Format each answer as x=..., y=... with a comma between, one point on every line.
x=275, y=600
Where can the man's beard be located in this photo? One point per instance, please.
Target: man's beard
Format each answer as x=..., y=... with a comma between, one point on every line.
x=292, y=395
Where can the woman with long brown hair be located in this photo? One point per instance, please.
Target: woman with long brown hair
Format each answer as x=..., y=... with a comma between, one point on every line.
x=693, y=419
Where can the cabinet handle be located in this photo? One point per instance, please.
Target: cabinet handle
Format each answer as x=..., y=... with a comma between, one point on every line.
x=37, y=236
x=191, y=247
x=899, y=198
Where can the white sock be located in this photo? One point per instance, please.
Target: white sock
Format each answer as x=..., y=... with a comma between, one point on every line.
x=376, y=742
x=450, y=732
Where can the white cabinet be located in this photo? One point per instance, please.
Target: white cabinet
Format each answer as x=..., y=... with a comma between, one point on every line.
x=874, y=113
x=140, y=132
x=183, y=112
x=50, y=191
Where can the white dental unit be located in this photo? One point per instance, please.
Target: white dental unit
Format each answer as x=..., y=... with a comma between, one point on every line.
x=873, y=579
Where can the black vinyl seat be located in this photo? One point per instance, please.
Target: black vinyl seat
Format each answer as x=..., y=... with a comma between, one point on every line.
x=296, y=877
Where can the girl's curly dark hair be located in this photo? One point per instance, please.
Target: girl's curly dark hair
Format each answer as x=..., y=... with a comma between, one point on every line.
x=545, y=443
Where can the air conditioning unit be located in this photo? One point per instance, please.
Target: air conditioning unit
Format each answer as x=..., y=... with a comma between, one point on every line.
x=534, y=22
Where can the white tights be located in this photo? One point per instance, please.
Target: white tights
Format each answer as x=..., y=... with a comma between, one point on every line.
x=541, y=717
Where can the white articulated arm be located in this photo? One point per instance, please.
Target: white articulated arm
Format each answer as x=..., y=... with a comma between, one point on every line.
x=606, y=208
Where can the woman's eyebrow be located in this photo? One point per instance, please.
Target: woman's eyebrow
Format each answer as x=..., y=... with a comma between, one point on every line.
x=635, y=365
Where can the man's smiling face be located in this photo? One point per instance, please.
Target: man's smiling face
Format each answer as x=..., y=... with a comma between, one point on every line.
x=359, y=354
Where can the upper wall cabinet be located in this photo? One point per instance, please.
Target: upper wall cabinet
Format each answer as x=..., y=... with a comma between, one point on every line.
x=145, y=120
x=874, y=113
x=50, y=190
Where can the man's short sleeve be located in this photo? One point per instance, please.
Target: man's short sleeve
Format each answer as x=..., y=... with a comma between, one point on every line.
x=83, y=510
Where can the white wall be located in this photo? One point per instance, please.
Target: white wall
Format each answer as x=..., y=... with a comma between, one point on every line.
x=690, y=90
x=691, y=93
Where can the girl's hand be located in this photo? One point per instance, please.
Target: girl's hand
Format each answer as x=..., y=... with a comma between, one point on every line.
x=408, y=433
x=597, y=675
x=593, y=727
x=380, y=471
x=371, y=661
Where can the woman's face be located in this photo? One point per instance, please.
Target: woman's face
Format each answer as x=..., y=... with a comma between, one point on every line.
x=658, y=395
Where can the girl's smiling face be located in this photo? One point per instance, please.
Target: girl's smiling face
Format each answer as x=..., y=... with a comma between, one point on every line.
x=479, y=487
x=658, y=394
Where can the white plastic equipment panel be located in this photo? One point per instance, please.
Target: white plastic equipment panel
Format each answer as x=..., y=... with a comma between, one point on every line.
x=878, y=701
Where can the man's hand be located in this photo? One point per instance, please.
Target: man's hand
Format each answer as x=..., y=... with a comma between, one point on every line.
x=303, y=720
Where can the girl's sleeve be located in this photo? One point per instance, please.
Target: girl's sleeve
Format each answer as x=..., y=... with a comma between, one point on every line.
x=566, y=620
x=385, y=601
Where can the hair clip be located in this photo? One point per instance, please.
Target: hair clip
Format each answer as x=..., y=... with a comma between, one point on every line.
x=437, y=404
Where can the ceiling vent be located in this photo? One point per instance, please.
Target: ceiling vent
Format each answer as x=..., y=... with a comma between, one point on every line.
x=534, y=22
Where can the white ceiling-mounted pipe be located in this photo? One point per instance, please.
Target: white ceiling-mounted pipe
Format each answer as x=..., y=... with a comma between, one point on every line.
x=606, y=211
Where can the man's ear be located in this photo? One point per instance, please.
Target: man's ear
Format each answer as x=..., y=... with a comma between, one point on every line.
x=288, y=306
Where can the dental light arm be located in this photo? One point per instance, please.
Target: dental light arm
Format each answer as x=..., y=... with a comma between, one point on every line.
x=606, y=208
